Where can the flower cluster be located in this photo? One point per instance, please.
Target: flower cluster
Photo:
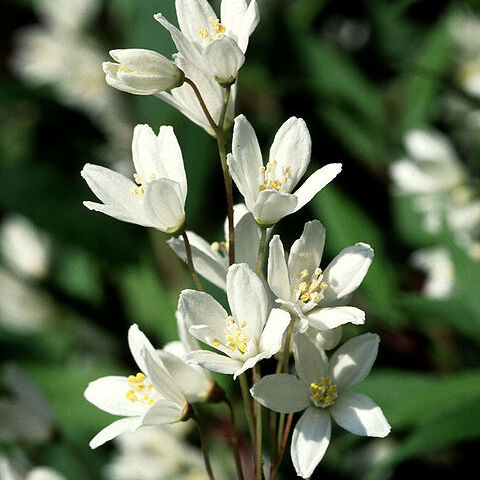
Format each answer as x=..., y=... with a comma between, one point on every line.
x=295, y=306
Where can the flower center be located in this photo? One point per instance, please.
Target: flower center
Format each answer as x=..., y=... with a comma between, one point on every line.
x=311, y=291
x=235, y=338
x=142, y=185
x=141, y=389
x=268, y=177
x=323, y=394
x=214, y=31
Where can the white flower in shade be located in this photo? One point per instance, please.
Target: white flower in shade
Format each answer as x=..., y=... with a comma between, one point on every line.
x=157, y=198
x=7, y=472
x=151, y=397
x=24, y=413
x=211, y=260
x=320, y=389
x=142, y=72
x=432, y=165
x=215, y=47
x=267, y=189
x=318, y=297
x=184, y=99
x=25, y=249
x=251, y=333
x=439, y=270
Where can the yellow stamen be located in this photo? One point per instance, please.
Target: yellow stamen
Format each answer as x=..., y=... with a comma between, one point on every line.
x=323, y=394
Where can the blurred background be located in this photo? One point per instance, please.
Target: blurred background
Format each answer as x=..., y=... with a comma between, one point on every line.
x=390, y=89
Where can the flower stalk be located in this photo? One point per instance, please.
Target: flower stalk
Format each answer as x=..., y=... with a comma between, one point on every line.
x=191, y=266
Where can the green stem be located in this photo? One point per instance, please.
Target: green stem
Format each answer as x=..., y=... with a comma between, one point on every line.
x=191, y=267
x=247, y=404
x=261, y=250
x=259, y=432
x=236, y=451
x=286, y=432
x=203, y=440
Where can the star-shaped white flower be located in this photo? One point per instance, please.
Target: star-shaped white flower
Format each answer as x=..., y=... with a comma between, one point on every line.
x=250, y=334
x=151, y=397
x=211, y=260
x=215, y=47
x=157, y=198
x=320, y=389
x=267, y=189
x=318, y=297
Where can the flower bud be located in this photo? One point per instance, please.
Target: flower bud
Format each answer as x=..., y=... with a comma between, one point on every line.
x=223, y=59
x=142, y=72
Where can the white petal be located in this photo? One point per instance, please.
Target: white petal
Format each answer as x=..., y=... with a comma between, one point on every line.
x=190, y=378
x=311, y=363
x=164, y=205
x=200, y=308
x=245, y=160
x=352, y=362
x=111, y=188
x=163, y=412
x=120, y=214
x=281, y=393
x=346, y=271
x=185, y=47
x=360, y=415
x=291, y=147
x=189, y=342
x=247, y=236
x=326, y=318
x=114, y=429
x=162, y=380
x=109, y=394
x=271, y=206
x=223, y=59
x=215, y=362
x=272, y=335
x=315, y=182
x=278, y=279
x=137, y=341
x=208, y=264
x=232, y=13
x=310, y=440
x=192, y=15
x=248, y=25
x=306, y=252
x=247, y=298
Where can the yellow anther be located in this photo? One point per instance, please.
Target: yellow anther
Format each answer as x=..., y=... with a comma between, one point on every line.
x=323, y=394
x=318, y=272
x=261, y=170
x=323, y=285
x=229, y=320
x=215, y=247
x=152, y=176
x=287, y=169
x=138, y=387
x=216, y=342
x=203, y=33
x=131, y=396
x=141, y=377
x=304, y=274
x=132, y=379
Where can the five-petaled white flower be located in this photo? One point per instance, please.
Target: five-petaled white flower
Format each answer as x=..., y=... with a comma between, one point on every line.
x=250, y=334
x=151, y=397
x=267, y=189
x=215, y=47
x=320, y=391
x=157, y=198
x=317, y=297
x=211, y=260
x=142, y=72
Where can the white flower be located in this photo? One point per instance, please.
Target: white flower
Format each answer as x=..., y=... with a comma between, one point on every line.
x=439, y=271
x=211, y=260
x=320, y=391
x=24, y=413
x=7, y=472
x=215, y=47
x=184, y=99
x=318, y=297
x=142, y=72
x=431, y=167
x=267, y=190
x=250, y=334
x=25, y=249
x=157, y=199
x=151, y=397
